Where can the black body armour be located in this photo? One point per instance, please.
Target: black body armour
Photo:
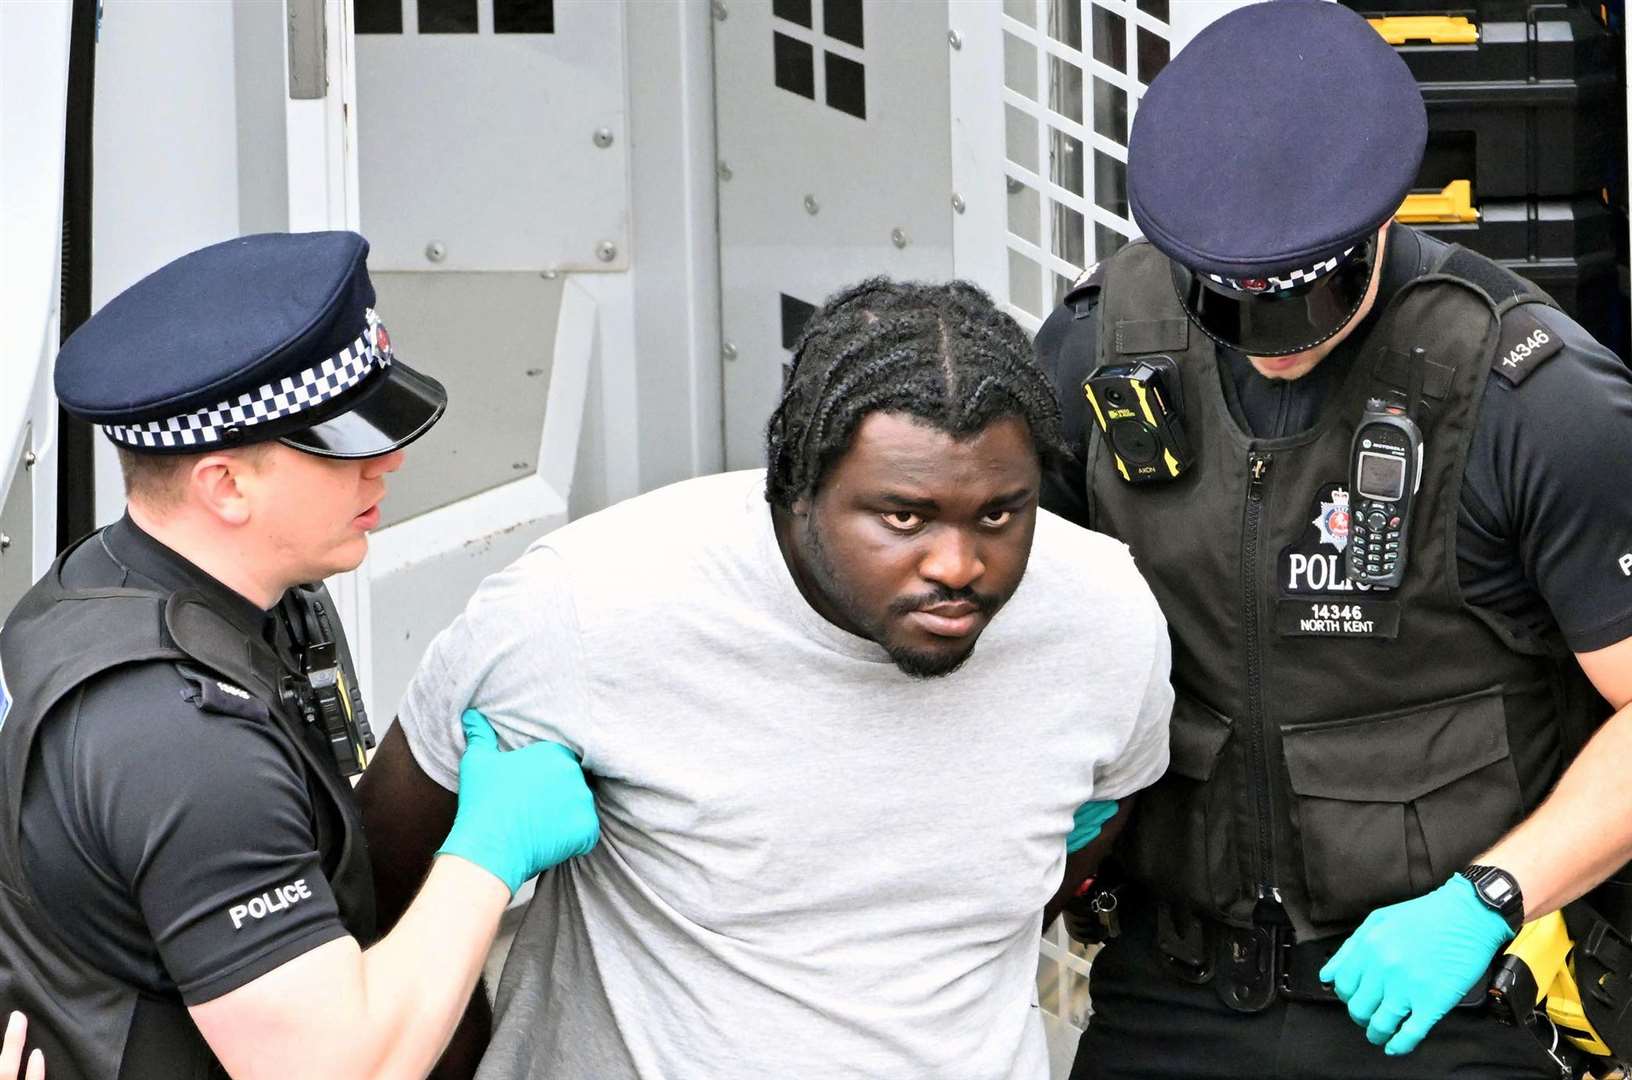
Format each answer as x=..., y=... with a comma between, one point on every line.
x=1334, y=748
x=90, y=1025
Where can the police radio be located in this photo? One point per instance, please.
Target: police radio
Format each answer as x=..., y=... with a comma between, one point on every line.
x=1137, y=407
x=1385, y=470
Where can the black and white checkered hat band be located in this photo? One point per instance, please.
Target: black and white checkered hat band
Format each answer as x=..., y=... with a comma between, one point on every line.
x=285, y=397
x=1286, y=281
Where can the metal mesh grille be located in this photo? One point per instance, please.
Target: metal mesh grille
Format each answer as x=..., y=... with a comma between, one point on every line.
x=1073, y=72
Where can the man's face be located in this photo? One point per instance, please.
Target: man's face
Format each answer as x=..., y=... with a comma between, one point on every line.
x=916, y=539
x=314, y=513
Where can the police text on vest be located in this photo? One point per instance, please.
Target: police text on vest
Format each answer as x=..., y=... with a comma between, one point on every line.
x=1626, y=564
x=274, y=899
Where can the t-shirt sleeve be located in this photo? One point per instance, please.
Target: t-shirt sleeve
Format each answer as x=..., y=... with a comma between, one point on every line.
x=1554, y=448
x=513, y=653
x=207, y=820
x=1143, y=758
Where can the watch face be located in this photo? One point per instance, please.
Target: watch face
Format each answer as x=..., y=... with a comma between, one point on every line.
x=1498, y=889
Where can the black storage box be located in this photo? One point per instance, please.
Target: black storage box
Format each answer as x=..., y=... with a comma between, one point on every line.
x=1532, y=107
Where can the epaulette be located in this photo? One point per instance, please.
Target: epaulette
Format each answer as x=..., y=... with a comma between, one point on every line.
x=210, y=694
x=1080, y=297
x=1526, y=343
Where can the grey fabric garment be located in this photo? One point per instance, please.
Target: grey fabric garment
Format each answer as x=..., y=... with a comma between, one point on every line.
x=811, y=865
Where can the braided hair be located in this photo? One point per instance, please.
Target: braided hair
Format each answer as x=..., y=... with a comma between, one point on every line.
x=941, y=353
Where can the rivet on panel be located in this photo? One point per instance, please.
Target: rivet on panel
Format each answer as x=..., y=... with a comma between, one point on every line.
x=957, y=202
x=5, y=541
x=603, y=137
x=954, y=39
x=811, y=205
x=725, y=171
x=29, y=459
x=728, y=352
x=549, y=275
x=436, y=251
x=719, y=11
x=898, y=237
x=606, y=251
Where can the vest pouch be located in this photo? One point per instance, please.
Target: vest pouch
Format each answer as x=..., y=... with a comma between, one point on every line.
x=1182, y=847
x=1389, y=806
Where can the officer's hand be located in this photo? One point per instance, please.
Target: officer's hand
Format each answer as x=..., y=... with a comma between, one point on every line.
x=520, y=811
x=1086, y=823
x=11, y=1051
x=1414, y=961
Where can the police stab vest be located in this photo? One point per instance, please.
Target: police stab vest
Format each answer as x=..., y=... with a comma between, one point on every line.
x=90, y=1025
x=1334, y=748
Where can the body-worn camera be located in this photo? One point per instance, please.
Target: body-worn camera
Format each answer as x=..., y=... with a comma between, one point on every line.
x=1385, y=470
x=327, y=695
x=1137, y=406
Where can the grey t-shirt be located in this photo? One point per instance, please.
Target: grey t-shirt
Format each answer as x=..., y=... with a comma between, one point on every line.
x=810, y=864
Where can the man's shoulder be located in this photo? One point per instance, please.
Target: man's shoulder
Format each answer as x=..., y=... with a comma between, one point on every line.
x=1547, y=369
x=696, y=510
x=646, y=549
x=1090, y=566
x=171, y=711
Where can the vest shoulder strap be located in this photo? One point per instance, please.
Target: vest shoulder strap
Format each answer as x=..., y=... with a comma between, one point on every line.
x=1141, y=313
x=1526, y=342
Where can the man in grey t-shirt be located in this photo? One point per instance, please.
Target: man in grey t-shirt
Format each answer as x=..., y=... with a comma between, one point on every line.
x=829, y=822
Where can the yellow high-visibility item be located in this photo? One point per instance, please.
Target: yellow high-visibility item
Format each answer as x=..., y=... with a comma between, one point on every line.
x=1544, y=945
x=1432, y=29
x=1564, y=1009
x=1452, y=205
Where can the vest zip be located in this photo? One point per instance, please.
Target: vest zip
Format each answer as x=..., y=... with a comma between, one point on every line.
x=1258, y=466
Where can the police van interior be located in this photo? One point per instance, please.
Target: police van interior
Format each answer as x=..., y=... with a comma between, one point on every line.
x=601, y=223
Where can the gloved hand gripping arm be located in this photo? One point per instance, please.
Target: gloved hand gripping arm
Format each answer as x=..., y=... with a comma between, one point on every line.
x=520, y=811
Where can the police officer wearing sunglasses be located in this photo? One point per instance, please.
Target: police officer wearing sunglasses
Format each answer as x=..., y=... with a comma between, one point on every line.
x=1384, y=662
x=184, y=886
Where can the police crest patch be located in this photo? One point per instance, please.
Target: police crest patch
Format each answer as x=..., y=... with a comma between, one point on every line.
x=1333, y=520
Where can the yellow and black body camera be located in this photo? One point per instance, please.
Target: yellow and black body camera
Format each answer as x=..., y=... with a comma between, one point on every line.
x=1137, y=407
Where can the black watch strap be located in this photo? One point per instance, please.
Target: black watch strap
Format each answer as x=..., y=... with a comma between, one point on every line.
x=1499, y=891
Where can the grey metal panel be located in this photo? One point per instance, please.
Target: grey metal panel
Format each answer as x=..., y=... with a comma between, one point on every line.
x=16, y=536
x=489, y=339
x=308, y=72
x=814, y=196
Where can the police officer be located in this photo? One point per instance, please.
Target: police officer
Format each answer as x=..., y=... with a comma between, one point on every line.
x=1343, y=756
x=186, y=887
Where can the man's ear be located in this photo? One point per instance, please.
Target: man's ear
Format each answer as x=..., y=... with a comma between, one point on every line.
x=215, y=485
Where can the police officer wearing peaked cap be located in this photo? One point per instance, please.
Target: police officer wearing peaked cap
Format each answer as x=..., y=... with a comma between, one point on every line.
x=1352, y=780
x=186, y=885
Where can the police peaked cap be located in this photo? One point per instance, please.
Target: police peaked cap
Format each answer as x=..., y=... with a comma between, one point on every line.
x=1262, y=161
x=263, y=337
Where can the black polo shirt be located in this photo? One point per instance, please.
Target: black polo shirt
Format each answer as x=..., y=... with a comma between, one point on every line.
x=1544, y=524
x=167, y=825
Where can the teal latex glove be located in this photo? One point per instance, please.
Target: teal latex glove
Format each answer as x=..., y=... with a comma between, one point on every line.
x=1086, y=823
x=520, y=811
x=1414, y=961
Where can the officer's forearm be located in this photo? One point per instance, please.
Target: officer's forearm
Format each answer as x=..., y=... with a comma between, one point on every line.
x=1582, y=833
x=419, y=978
x=340, y=1013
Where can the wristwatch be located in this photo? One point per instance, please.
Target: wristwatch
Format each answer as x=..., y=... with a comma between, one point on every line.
x=1499, y=891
